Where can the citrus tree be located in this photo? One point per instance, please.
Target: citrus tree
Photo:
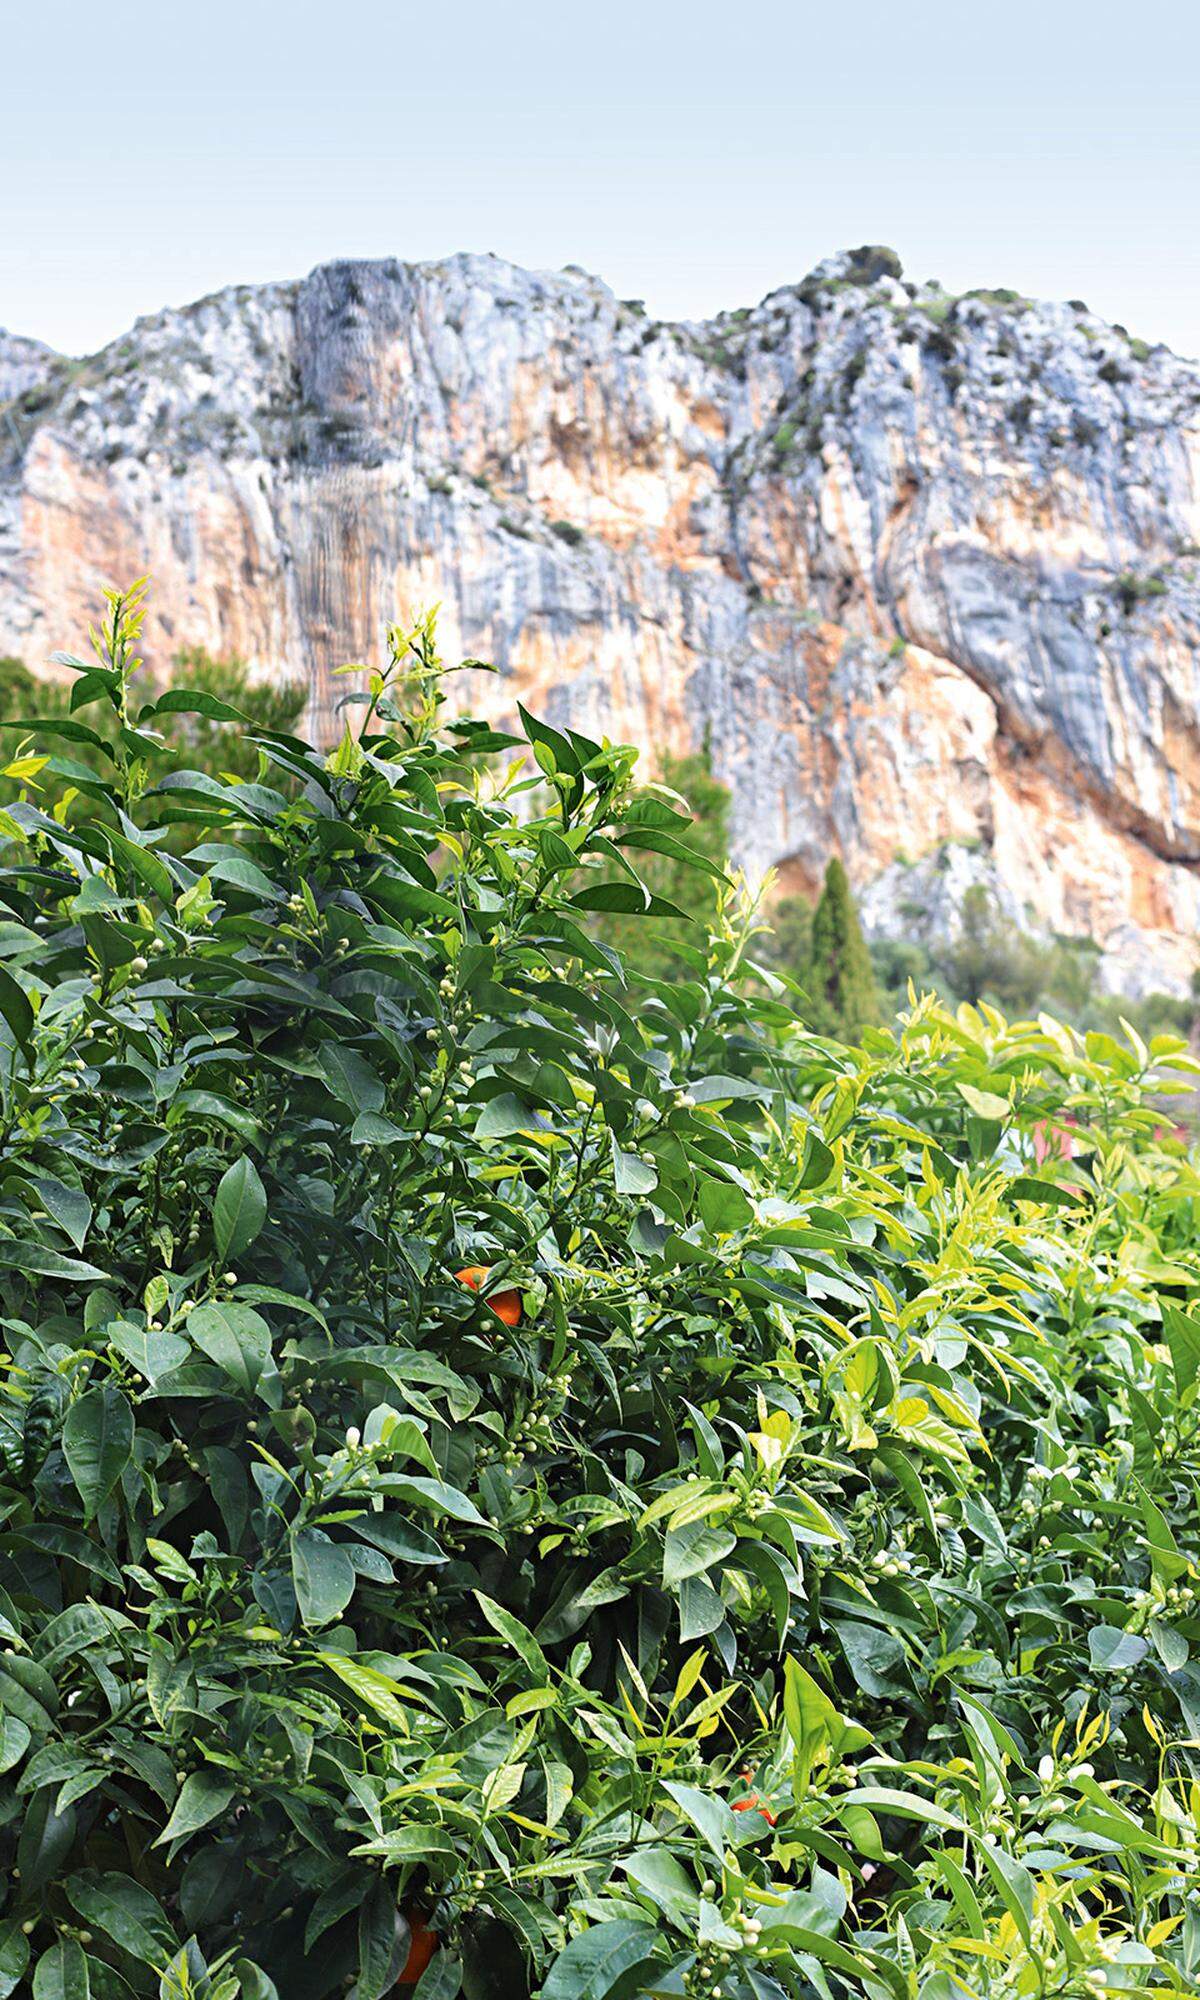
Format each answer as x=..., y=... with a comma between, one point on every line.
x=519, y=1477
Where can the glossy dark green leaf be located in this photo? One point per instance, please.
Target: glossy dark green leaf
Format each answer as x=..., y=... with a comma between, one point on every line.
x=124, y=1911
x=62, y=1973
x=68, y=1204
x=16, y=1008
x=203, y=1797
x=14, y=1956
x=235, y=1337
x=323, y=1575
x=98, y=1443
x=595, y=1964
x=239, y=1210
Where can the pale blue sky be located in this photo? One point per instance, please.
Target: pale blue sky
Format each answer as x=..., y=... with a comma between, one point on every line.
x=694, y=155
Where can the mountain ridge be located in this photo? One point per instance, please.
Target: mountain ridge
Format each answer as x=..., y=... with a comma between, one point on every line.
x=919, y=568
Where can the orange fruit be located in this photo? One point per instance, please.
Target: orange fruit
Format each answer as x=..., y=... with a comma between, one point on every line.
x=422, y=1944
x=506, y=1305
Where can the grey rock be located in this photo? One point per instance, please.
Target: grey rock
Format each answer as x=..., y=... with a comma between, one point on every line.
x=923, y=572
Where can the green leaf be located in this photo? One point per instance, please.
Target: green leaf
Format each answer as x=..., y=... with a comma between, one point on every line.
x=632, y=1174
x=255, y=1984
x=75, y=1546
x=1114, y=1651
x=207, y=1108
x=68, y=1205
x=1171, y=1646
x=656, y=1872
x=691, y=1550
x=406, y=1843
x=125, y=1912
x=876, y=1658
x=518, y=1636
x=810, y=1716
x=235, y=1337
x=724, y=1208
x=712, y=1818
x=46, y=1840
x=152, y=1353
x=1015, y=1886
x=504, y=1117
x=374, y=1690
x=16, y=1008
x=370, y=1129
x=984, y=1103
x=239, y=1210
x=717, y=1090
x=441, y=1979
x=203, y=1797
x=98, y=1444
x=62, y=1973
x=38, y=1262
x=595, y=1962
x=14, y=1956
x=905, y=1805
x=324, y=1577
x=1183, y=1339
x=817, y=1164
x=376, y=1941
x=15, y=1738
x=152, y=873
x=239, y=873
x=350, y=1077
x=700, y=1609
x=194, y=701
x=1029, y=1187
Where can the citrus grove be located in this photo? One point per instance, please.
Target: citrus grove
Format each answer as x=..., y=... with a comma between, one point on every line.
x=519, y=1477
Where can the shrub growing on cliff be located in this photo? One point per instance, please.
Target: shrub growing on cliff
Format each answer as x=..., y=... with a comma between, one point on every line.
x=522, y=1483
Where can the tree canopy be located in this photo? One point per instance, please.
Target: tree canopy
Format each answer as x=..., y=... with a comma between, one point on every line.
x=519, y=1480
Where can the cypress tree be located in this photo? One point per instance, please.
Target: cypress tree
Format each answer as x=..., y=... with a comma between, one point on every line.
x=840, y=981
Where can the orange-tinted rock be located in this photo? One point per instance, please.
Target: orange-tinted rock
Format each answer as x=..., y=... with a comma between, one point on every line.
x=684, y=533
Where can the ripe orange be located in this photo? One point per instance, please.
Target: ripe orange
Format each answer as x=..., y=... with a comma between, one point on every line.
x=506, y=1305
x=422, y=1944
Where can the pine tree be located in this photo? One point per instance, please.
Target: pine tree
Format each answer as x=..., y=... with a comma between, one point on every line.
x=840, y=982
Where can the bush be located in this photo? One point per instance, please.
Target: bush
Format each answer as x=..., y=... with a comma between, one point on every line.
x=686, y=873
x=871, y=262
x=215, y=741
x=1133, y=590
x=576, y=1488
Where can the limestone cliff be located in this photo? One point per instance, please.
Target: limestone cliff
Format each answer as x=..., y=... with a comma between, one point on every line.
x=922, y=570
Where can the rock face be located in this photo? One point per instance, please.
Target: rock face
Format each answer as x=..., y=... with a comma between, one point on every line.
x=922, y=571
x=24, y=364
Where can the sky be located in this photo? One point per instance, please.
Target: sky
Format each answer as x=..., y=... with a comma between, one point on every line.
x=694, y=155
